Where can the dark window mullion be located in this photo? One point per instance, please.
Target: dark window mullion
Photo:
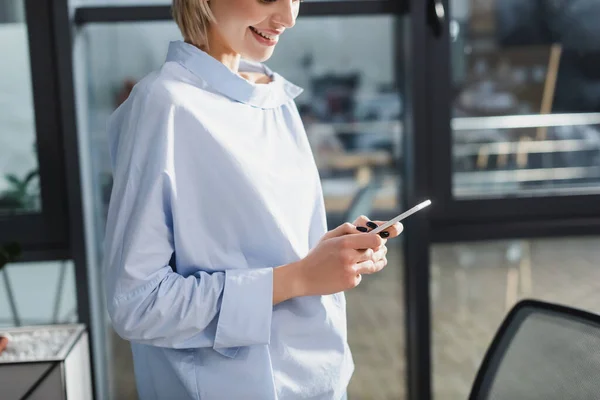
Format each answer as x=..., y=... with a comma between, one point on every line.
x=47, y=123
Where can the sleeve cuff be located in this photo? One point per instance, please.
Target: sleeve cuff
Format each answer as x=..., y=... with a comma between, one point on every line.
x=246, y=310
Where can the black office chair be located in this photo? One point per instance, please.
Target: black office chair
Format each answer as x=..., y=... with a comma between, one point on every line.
x=542, y=351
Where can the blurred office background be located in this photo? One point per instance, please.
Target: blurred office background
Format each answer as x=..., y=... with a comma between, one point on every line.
x=517, y=179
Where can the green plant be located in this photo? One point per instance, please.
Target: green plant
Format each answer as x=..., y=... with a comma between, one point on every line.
x=19, y=195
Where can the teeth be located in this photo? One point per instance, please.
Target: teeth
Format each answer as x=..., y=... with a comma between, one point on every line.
x=262, y=34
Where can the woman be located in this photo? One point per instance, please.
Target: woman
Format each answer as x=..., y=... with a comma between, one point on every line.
x=220, y=270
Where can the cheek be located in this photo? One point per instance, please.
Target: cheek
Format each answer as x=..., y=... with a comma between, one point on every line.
x=232, y=14
x=246, y=12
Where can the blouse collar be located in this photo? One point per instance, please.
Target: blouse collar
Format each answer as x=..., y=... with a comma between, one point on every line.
x=221, y=79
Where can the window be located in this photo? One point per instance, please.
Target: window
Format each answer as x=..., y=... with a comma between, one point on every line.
x=526, y=98
x=19, y=178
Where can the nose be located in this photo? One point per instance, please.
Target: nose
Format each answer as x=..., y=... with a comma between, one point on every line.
x=287, y=13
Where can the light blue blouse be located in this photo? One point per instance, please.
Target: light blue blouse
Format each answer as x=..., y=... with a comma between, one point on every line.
x=218, y=171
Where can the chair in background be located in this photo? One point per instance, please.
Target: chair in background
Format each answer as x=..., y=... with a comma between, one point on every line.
x=542, y=351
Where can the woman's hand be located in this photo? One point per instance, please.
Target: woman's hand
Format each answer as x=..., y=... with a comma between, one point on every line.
x=363, y=224
x=336, y=263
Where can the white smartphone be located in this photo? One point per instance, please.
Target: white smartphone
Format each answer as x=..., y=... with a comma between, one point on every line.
x=402, y=216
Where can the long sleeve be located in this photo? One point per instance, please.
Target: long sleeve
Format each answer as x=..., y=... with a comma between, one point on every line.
x=148, y=302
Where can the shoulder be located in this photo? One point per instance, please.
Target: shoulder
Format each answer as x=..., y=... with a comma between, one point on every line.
x=149, y=93
x=161, y=88
x=139, y=118
x=164, y=92
x=143, y=122
x=169, y=86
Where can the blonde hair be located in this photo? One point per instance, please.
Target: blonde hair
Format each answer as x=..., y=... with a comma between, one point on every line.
x=193, y=18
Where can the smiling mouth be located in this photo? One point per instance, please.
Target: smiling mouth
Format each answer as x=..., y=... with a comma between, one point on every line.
x=264, y=35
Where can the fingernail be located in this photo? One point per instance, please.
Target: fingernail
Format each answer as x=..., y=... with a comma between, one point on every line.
x=362, y=229
x=384, y=234
x=371, y=224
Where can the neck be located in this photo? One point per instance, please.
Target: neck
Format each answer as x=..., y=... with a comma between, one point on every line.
x=218, y=50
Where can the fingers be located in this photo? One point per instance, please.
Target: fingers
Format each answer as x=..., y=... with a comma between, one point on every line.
x=364, y=224
x=367, y=261
x=370, y=266
x=342, y=230
x=364, y=255
x=372, y=254
x=394, y=230
x=361, y=221
x=362, y=241
x=381, y=252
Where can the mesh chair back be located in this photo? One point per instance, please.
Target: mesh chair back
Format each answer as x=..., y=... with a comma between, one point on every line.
x=542, y=351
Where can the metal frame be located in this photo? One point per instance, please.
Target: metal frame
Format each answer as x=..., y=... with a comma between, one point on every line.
x=423, y=42
x=510, y=229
